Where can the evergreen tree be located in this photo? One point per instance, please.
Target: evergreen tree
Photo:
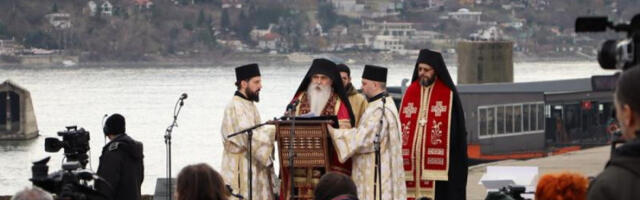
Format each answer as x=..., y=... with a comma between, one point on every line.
x=224, y=19
x=201, y=18
x=3, y=30
x=54, y=8
x=327, y=16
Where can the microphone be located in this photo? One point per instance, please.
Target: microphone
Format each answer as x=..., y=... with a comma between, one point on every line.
x=384, y=97
x=183, y=96
x=291, y=107
x=293, y=104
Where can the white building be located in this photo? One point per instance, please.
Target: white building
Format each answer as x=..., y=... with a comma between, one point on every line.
x=144, y=4
x=348, y=8
x=517, y=25
x=464, y=15
x=234, y=44
x=238, y=4
x=270, y=41
x=390, y=43
x=390, y=36
x=93, y=8
x=258, y=33
x=107, y=8
x=59, y=20
x=427, y=35
x=490, y=34
x=400, y=30
x=435, y=3
x=10, y=47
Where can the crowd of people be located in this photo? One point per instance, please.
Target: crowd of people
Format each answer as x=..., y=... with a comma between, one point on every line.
x=420, y=148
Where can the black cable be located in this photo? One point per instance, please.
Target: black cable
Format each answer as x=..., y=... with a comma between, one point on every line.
x=378, y=172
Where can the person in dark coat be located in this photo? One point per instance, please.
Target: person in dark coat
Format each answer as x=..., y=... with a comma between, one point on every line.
x=121, y=162
x=621, y=176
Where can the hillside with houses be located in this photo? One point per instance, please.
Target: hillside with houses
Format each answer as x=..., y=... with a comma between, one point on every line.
x=156, y=30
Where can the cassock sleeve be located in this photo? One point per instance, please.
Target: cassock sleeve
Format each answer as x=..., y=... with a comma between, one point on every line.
x=357, y=140
x=229, y=124
x=363, y=105
x=262, y=144
x=262, y=140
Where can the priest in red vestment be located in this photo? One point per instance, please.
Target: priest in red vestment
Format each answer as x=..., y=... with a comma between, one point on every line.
x=434, y=147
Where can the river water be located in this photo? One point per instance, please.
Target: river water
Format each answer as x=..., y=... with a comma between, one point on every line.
x=146, y=96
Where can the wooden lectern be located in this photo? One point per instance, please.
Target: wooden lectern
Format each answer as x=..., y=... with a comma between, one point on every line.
x=311, y=147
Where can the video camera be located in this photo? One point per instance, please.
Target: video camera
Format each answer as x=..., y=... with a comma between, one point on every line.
x=75, y=143
x=69, y=183
x=614, y=54
x=511, y=192
x=72, y=182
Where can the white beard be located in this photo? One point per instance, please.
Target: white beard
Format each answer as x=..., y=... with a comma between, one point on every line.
x=318, y=98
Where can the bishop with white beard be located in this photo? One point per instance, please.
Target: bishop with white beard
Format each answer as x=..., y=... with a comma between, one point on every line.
x=321, y=94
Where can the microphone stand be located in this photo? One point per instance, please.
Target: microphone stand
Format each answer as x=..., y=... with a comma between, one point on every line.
x=292, y=111
x=167, y=141
x=376, y=143
x=249, y=132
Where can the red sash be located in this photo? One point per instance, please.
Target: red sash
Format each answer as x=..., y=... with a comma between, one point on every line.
x=434, y=135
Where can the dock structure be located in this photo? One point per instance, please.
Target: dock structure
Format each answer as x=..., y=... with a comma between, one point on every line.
x=485, y=62
x=17, y=117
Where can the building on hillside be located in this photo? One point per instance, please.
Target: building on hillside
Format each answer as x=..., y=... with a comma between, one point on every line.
x=144, y=4
x=388, y=36
x=390, y=43
x=106, y=8
x=93, y=8
x=382, y=8
x=259, y=33
x=350, y=8
x=490, y=34
x=237, y=4
x=59, y=20
x=10, y=47
x=270, y=41
x=464, y=15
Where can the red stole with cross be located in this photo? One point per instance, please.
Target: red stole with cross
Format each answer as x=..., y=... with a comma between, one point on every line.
x=425, y=114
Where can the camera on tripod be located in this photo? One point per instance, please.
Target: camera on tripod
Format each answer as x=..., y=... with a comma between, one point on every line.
x=72, y=182
x=614, y=54
x=75, y=143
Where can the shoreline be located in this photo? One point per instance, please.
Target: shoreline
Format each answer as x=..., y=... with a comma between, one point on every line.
x=350, y=58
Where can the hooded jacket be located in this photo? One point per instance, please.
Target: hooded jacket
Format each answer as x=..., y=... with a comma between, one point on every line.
x=122, y=166
x=621, y=176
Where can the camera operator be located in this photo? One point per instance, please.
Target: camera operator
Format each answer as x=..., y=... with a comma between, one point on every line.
x=121, y=162
x=621, y=176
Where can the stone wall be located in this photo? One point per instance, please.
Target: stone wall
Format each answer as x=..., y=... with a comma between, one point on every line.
x=485, y=62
